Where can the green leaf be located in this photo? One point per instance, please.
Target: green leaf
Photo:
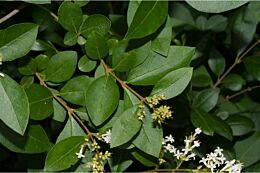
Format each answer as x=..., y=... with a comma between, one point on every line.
x=173, y=83
x=34, y=140
x=149, y=16
x=40, y=99
x=75, y=89
x=61, y=66
x=124, y=61
x=216, y=62
x=252, y=66
x=161, y=44
x=206, y=99
x=70, y=38
x=96, y=46
x=86, y=65
x=125, y=127
x=96, y=22
x=17, y=40
x=130, y=99
x=59, y=113
x=120, y=161
x=42, y=62
x=145, y=159
x=14, y=105
x=149, y=139
x=29, y=69
x=156, y=66
x=234, y=82
x=38, y=1
x=70, y=16
x=240, y=125
x=215, y=6
x=132, y=7
x=247, y=150
x=26, y=81
x=210, y=124
x=217, y=23
x=201, y=77
x=100, y=71
x=72, y=128
x=102, y=98
x=63, y=154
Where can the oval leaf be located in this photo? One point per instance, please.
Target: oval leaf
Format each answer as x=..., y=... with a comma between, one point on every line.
x=102, y=98
x=173, y=83
x=240, y=125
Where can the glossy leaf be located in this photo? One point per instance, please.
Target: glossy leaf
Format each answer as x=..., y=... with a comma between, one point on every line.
x=215, y=6
x=156, y=66
x=216, y=62
x=173, y=83
x=247, y=150
x=63, y=154
x=101, y=105
x=240, y=125
x=149, y=16
x=61, y=66
x=125, y=127
x=206, y=99
x=34, y=140
x=96, y=46
x=75, y=89
x=70, y=16
x=40, y=99
x=17, y=40
x=86, y=65
x=14, y=105
x=252, y=66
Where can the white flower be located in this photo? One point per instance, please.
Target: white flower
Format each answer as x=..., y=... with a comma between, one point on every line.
x=80, y=153
x=2, y=74
x=195, y=144
x=170, y=148
x=178, y=154
x=197, y=131
x=169, y=139
x=107, y=137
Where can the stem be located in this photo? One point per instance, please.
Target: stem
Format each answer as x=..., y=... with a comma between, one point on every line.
x=49, y=11
x=237, y=61
x=12, y=13
x=179, y=164
x=122, y=83
x=69, y=109
x=227, y=98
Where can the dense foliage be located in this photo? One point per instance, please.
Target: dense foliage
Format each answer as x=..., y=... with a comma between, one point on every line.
x=118, y=85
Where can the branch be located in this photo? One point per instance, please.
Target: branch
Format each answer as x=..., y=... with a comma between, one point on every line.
x=227, y=98
x=12, y=13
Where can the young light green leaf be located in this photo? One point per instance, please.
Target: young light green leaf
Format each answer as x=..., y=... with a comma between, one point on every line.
x=173, y=83
x=61, y=66
x=156, y=66
x=63, y=154
x=201, y=77
x=72, y=128
x=96, y=22
x=149, y=16
x=240, y=125
x=70, y=16
x=14, y=105
x=75, y=89
x=247, y=150
x=252, y=66
x=96, y=46
x=40, y=99
x=34, y=140
x=216, y=62
x=17, y=40
x=125, y=127
x=102, y=98
x=86, y=65
x=206, y=99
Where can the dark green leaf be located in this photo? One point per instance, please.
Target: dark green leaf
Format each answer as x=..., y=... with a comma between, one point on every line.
x=247, y=150
x=86, y=65
x=42, y=62
x=125, y=127
x=38, y=1
x=70, y=16
x=252, y=66
x=59, y=113
x=102, y=98
x=217, y=23
x=40, y=99
x=70, y=38
x=173, y=83
x=34, y=140
x=96, y=46
x=61, y=66
x=216, y=62
x=206, y=99
x=149, y=16
x=156, y=66
x=130, y=99
x=132, y=7
x=75, y=89
x=240, y=125
x=14, y=105
x=233, y=82
x=143, y=158
x=29, y=69
x=120, y=161
x=26, y=81
x=63, y=154
x=17, y=40
x=201, y=77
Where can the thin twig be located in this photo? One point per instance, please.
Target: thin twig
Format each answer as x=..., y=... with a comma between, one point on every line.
x=227, y=98
x=12, y=13
x=237, y=61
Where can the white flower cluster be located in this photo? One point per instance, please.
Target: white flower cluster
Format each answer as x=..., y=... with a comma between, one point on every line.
x=216, y=162
x=106, y=137
x=185, y=154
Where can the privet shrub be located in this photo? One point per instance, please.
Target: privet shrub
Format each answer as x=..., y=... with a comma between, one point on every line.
x=129, y=86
